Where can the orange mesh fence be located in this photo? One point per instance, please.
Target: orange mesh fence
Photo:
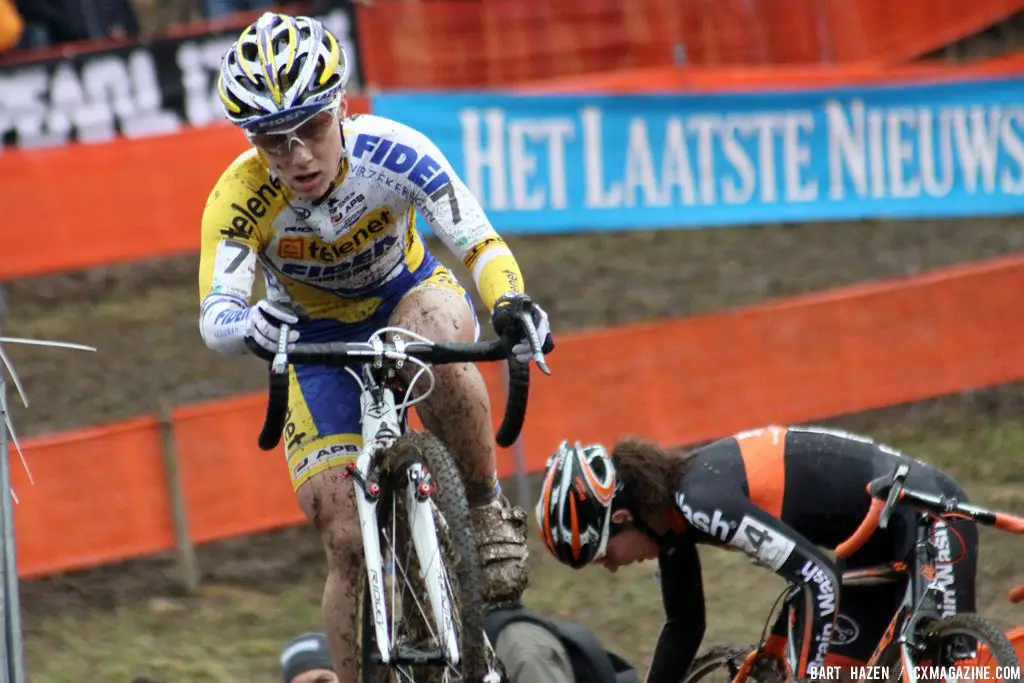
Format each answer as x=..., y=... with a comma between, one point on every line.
x=755, y=78
x=101, y=495
x=444, y=43
x=892, y=32
x=456, y=43
x=232, y=488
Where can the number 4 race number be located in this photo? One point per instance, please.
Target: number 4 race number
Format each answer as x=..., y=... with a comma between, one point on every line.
x=768, y=547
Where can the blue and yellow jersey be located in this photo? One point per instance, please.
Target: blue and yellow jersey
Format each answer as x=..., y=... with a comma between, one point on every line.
x=334, y=258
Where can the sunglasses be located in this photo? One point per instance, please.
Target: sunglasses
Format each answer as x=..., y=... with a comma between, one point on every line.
x=310, y=132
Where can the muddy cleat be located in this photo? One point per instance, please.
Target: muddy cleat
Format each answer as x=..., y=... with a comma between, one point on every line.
x=500, y=530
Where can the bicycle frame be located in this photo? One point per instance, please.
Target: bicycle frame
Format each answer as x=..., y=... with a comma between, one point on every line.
x=381, y=426
x=924, y=598
x=921, y=602
x=382, y=423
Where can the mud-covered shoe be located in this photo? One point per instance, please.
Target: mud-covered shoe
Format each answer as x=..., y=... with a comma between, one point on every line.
x=500, y=530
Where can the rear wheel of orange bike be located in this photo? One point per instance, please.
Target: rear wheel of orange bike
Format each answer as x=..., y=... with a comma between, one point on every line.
x=966, y=646
x=720, y=664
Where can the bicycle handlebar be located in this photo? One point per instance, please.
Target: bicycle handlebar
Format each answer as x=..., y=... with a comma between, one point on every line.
x=889, y=490
x=341, y=354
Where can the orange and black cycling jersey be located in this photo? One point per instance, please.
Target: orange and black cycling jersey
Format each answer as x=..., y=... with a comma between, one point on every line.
x=779, y=495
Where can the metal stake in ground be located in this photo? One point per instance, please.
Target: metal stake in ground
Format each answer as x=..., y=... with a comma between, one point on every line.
x=13, y=670
x=14, y=654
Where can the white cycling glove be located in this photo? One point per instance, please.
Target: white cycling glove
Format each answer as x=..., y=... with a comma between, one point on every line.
x=226, y=323
x=265, y=322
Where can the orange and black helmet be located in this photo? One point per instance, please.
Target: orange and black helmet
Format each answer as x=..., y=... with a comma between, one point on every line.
x=575, y=507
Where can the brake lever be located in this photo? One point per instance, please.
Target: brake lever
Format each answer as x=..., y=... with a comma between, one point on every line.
x=894, y=495
x=535, y=342
x=279, y=365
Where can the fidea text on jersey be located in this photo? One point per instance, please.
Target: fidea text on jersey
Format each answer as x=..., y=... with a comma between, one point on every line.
x=422, y=170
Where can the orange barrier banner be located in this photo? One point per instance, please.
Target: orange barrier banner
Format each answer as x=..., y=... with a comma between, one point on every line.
x=799, y=359
x=100, y=494
x=1016, y=637
x=216, y=444
x=231, y=487
x=134, y=199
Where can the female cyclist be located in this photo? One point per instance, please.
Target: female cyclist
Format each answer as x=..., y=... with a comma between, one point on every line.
x=779, y=495
x=326, y=204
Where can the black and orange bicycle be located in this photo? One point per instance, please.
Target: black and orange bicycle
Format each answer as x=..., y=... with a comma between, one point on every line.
x=919, y=644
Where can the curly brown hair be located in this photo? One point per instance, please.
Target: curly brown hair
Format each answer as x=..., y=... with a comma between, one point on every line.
x=648, y=474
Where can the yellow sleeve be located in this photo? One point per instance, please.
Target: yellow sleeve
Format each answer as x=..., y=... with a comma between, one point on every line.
x=495, y=270
x=236, y=222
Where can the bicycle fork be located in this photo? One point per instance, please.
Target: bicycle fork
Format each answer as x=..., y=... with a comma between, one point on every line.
x=380, y=428
x=367, y=497
x=428, y=549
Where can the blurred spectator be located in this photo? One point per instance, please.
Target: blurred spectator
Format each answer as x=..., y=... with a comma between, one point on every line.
x=306, y=659
x=221, y=8
x=51, y=22
x=534, y=649
x=11, y=25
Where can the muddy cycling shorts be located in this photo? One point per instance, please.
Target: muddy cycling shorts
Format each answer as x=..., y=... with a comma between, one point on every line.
x=322, y=429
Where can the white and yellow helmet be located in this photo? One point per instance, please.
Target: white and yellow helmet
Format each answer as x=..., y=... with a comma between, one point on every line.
x=281, y=71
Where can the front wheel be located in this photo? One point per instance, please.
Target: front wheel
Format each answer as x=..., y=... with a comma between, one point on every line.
x=415, y=629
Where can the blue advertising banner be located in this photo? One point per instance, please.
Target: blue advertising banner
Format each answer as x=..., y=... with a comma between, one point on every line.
x=543, y=163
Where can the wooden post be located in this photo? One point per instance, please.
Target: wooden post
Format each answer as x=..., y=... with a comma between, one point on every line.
x=188, y=566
